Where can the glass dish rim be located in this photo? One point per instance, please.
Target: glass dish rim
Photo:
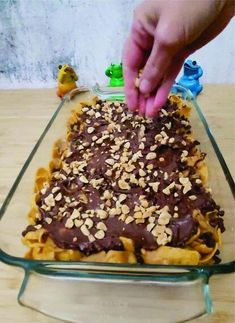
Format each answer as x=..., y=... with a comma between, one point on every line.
x=46, y=266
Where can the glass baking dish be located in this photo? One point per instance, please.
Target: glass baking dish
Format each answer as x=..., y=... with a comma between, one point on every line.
x=100, y=292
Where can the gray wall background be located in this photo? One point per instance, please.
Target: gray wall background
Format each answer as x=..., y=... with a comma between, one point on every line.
x=37, y=35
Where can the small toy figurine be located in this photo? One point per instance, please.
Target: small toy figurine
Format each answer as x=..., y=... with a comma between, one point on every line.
x=114, y=71
x=190, y=78
x=66, y=80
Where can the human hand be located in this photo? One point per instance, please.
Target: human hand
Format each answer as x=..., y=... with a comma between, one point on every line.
x=163, y=34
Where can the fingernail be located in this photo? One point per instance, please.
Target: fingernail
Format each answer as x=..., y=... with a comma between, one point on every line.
x=145, y=86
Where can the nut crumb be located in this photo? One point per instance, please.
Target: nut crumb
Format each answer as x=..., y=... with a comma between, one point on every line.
x=99, y=234
x=90, y=129
x=151, y=156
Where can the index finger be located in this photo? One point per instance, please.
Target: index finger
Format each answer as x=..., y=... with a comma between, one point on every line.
x=134, y=57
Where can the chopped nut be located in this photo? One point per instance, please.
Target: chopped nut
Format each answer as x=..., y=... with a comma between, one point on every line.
x=163, y=133
x=116, y=157
x=48, y=220
x=150, y=226
x=101, y=226
x=152, y=148
x=122, y=197
x=54, y=190
x=110, y=161
x=129, y=219
x=108, y=172
x=75, y=214
x=90, y=129
x=164, y=112
x=158, y=137
x=141, y=146
x=119, y=109
x=78, y=223
x=171, y=140
x=141, y=182
x=144, y=203
x=168, y=125
x=151, y=156
x=198, y=181
x=69, y=223
x=125, y=209
x=158, y=229
x=100, y=140
x=127, y=145
x=107, y=195
x=162, y=239
x=123, y=185
x=150, y=166
x=122, y=217
x=184, y=153
x=129, y=168
x=142, y=172
x=89, y=223
x=91, y=238
x=84, y=230
x=167, y=189
x=113, y=212
x=62, y=176
x=83, y=179
x=58, y=197
x=136, y=156
x=116, y=104
x=97, y=114
x=168, y=231
x=137, y=221
x=43, y=190
x=100, y=234
x=102, y=214
x=49, y=200
x=154, y=186
x=164, y=218
x=38, y=226
x=186, y=184
x=133, y=179
x=192, y=197
x=161, y=159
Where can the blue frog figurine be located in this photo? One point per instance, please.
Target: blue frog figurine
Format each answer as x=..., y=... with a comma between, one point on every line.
x=190, y=78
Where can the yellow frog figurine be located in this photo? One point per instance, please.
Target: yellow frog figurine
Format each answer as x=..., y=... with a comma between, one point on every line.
x=66, y=80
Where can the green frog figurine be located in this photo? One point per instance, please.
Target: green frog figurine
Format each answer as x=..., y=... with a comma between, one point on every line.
x=114, y=71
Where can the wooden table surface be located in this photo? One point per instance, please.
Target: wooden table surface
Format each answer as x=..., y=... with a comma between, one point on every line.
x=23, y=116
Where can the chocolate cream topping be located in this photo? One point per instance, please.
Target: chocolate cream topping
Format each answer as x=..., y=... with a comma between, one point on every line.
x=120, y=173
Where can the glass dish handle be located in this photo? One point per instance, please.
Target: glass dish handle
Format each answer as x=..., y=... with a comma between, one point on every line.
x=83, y=299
